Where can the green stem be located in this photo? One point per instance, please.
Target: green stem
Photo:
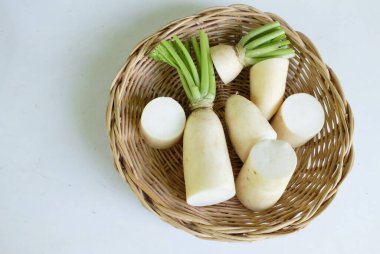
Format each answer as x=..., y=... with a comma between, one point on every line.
x=182, y=67
x=180, y=54
x=265, y=42
x=161, y=54
x=187, y=59
x=266, y=49
x=185, y=85
x=266, y=32
x=212, y=83
x=253, y=61
x=197, y=52
x=204, y=53
x=266, y=38
x=187, y=45
x=249, y=36
x=279, y=53
x=279, y=38
x=198, y=79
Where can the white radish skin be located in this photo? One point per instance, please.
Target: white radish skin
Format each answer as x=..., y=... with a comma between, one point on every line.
x=299, y=119
x=267, y=83
x=246, y=125
x=207, y=168
x=265, y=174
x=226, y=62
x=162, y=122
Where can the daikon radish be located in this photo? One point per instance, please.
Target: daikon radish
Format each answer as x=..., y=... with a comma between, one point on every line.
x=265, y=174
x=246, y=125
x=208, y=172
x=226, y=61
x=263, y=43
x=207, y=167
x=267, y=84
x=299, y=119
x=162, y=122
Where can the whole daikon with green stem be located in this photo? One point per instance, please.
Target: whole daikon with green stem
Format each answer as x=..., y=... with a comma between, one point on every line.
x=265, y=42
x=207, y=167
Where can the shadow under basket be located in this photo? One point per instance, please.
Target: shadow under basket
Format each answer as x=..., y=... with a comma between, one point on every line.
x=156, y=176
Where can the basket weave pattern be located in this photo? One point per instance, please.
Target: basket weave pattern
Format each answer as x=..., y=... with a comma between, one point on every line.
x=156, y=176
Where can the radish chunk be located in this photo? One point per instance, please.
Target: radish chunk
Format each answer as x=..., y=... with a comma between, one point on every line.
x=299, y=119
x=265, y=174
x=246, y=125
x=226, y=62
x=207, y=168
x=267, y=84
x=162, y=122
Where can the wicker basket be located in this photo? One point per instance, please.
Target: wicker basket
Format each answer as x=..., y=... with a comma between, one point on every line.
x=156, y=176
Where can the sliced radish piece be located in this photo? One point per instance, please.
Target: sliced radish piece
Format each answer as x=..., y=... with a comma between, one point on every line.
x=299, y=119
x=265, y=174
x=162, y=122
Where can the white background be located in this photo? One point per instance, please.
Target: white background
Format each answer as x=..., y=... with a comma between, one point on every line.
x=59, y=192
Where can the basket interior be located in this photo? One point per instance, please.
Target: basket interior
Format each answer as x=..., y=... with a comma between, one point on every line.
x=156, y=176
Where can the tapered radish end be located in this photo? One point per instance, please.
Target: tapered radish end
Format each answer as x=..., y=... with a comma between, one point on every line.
x=226, y=62
x=246, y=125
x=267, y=84
x=211, y=196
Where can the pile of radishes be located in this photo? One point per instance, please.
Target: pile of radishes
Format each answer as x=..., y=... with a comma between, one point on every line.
x=266, y=148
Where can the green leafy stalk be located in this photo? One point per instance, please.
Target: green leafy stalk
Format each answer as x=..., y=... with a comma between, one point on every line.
x=263, y=43
x=279, y=38
x=185, y=85
x=280, y=53
x=197, y=52
x=266, y=49
x=187, y=59
x=253, y=61
x=254, y=33
x=285, y=54
x=181, y=65
x=187, y=45
x=180, y=54
x=198, y=80
x=212, y=84
x=204, y=51
x=264, y=39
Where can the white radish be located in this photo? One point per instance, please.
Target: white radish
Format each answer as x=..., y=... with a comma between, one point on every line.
x=226, y=61
x=246, y=125
x=162, y=122
x=267, y=84
x=299, y=119
x=262, y=43
x=207, y=167
x=265, y=174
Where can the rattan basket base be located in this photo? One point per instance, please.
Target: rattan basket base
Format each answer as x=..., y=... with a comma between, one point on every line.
x=156, y=176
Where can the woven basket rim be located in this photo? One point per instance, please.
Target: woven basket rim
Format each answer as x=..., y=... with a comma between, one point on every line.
x=196, y=225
